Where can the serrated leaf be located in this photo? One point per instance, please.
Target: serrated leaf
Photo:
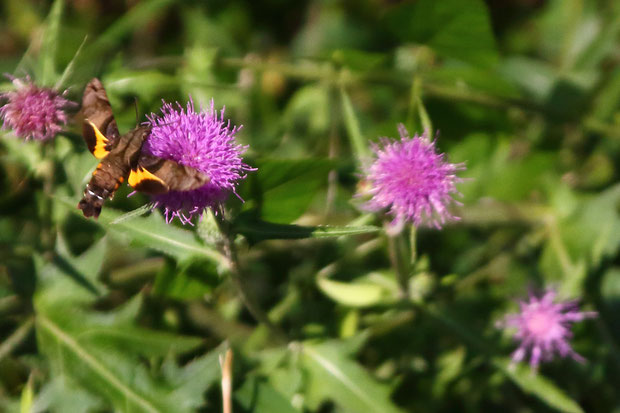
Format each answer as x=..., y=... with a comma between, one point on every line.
x=106, y=370
x=258, y=396
x=70, y=279
x=537, y=385
x=61, y=394
x=102, y=352
x=191, y=381
x=334, y=376
x=153, y=232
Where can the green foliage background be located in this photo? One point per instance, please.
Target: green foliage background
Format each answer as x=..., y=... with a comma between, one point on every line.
x=130, y=314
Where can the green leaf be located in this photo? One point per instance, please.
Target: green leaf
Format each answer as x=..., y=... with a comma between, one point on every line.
x=283, y=189
x=70, y=279
x=334, y=376
x=521, y=374
x=460, y=29
x=139, y=15
x=257, y=396
x=70, y=68
x=358, y=60
x=358, y=143
x=309, y=108
x=537, y=385
x=358, y=293
x=256, y=230
x=147, y=85
x=581, y=240
x=27, y=153
x=102, y=351
x=61, y=394
x=113, y=373
x=192, y=281
x=50, y=43
x=25, y=405
x=190, y=381
x=138, y=212
x=152, y=232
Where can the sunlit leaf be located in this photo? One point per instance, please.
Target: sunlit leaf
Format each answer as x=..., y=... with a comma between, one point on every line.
x=358, y=293
x=538, y=385
x=334, y=376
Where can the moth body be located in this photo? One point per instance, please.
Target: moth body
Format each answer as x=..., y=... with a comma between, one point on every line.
x=113, y=170
x=122, y=157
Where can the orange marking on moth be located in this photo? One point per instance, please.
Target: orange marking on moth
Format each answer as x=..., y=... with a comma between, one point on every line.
x=141, y=174
x=101, y=141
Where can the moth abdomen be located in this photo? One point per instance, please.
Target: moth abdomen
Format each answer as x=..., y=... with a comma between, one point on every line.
x=103, y=184
x=92, y=201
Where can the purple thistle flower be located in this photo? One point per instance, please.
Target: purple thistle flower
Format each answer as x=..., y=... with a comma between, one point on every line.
x=34, y=112
x=543, y=328
x=204, y=141
x=410, y=178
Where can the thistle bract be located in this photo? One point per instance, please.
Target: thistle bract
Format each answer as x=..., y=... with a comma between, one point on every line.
x=205, y=141
x=33, y=112
x=410, y=179
x=543, y=328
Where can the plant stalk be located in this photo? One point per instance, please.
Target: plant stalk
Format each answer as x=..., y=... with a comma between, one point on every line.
x=230, y=251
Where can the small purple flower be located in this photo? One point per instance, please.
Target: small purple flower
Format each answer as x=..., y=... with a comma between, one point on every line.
x=205, y=141
x=34, y=112
x=410, y=178
x=543, y=328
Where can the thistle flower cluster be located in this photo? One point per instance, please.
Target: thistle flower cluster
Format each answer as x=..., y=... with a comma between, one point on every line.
x=205, y=141
x=34, y=112
x=408, y=178
x=412, y=181
x=543, y=328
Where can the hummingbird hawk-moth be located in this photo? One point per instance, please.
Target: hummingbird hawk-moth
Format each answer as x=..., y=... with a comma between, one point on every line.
x=122, y=157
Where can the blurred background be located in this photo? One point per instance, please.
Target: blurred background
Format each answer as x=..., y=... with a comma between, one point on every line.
x=130, y=315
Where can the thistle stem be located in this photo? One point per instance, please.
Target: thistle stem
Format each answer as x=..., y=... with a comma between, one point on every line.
x=397, y=248
x=230, y=251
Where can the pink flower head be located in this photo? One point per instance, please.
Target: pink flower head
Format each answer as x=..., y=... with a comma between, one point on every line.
x=34, y=112
x=205, y=141
x=543, y=328
x=410, y=178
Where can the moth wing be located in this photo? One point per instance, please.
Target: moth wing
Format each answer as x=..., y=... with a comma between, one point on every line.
x=99, y=128
x=154, y=175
